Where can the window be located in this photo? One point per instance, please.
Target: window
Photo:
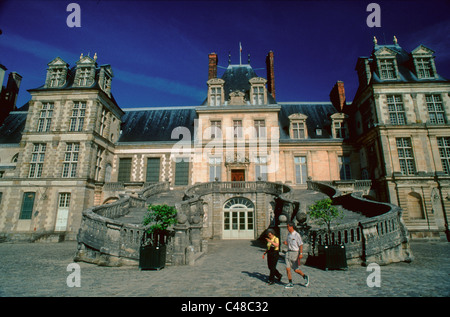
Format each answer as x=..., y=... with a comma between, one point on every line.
x=258, y=95
x=64, y=200
x=444, y=153
x=124, y=170
x=260, y=126
x=406, y=156
x=298, y=130
x=83, y=76
x=103, y=121
x=396, y=110
x=98, y=163
x=301, y=174
x=215, y=168
x=340, y=130
x=70, y=160
x=77, y=117
x=56, y=78
x=216, y=96
x=45, y=117
x=153, y=166
x=237, y=128
x=37, y=160
x=182, y=172
x=435, y=109
x=387, y=70
x=424, y=68
x=261, y=168
x=344, y=167
x=216, y=129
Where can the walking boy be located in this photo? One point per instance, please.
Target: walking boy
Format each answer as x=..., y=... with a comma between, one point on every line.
x=294, y=255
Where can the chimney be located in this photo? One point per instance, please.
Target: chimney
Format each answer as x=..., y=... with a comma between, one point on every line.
x=213, y=60
x=270, y=74
x=337, y=96
x=12, y=88
x=2, y=76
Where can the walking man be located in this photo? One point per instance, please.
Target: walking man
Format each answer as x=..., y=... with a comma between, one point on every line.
x=294, y=255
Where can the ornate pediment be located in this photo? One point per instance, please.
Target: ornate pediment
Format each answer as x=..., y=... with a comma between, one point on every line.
x=215, y=81
x=58, y=62
x=385, y=52
x=338, y=115
x=258, y=80
x=237, y=98
x=422, y=51
x=298, y=116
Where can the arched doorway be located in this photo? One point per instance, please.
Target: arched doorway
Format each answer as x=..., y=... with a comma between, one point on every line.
x=238, y=219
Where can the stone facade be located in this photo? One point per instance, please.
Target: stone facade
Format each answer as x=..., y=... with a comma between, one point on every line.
x=72, y=147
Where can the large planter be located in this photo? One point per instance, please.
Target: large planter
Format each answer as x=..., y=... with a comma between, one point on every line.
x=332, y=257
x=152, y=257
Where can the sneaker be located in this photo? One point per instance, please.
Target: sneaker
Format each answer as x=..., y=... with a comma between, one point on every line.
x=279, y=278
x=270, y=282
x=306, y=279
x=289, y=285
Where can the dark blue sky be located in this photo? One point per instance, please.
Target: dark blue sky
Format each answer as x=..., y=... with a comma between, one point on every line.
x=159, y=49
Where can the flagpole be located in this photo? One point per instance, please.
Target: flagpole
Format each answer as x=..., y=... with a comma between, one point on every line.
x=240, y=53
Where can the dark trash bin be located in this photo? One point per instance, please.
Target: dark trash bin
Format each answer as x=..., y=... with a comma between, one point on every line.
x=332, y=257
x=152, y=257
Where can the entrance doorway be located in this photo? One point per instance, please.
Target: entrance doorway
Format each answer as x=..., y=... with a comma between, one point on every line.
x=238, y=175
x=238, y=219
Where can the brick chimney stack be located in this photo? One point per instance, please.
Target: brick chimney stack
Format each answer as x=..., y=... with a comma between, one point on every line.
x=213, y=60
x=270, y=74
x=337, y=96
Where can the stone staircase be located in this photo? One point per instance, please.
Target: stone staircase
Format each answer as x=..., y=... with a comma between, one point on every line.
x=169, y=198
x=309, y=197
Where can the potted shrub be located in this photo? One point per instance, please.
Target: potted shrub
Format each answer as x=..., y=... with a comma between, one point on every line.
x=331, y=256
x=153, y=248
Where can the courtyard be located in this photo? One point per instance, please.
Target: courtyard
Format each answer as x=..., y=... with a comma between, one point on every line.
x=232, y=268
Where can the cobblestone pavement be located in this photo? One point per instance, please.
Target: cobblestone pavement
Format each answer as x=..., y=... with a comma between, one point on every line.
x=231, y=268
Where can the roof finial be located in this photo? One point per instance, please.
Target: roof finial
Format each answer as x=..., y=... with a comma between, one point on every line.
x=375, y=42
x=95, y=56
x=248, y=60
x=81, y=56
x=229, y=58
x=395, y=40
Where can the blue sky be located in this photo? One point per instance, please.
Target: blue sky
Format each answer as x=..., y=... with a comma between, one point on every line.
x=159, y=49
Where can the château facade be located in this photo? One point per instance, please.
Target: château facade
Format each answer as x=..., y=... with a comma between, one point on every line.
x=72, y=146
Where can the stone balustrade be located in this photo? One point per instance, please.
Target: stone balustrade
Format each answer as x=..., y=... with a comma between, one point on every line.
x=382, y=237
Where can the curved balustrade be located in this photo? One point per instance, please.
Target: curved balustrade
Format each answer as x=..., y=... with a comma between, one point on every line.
x=381, y=238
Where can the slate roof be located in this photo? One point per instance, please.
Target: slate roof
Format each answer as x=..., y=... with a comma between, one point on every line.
x=12, y=127
x=318, y=114
x=153, y=124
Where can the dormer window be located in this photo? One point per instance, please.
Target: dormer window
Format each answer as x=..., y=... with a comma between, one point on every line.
x=216, y=96
x=387, y=69
x=424, y=62
x=215, y=92
x=258, y=94
x=83, y=76
x=56, y=78
x=339, y=126
x=297, y=126
x=56, y=73
x=424, y=69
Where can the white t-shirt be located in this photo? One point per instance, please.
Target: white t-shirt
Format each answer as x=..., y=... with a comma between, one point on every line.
x=294, y=241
